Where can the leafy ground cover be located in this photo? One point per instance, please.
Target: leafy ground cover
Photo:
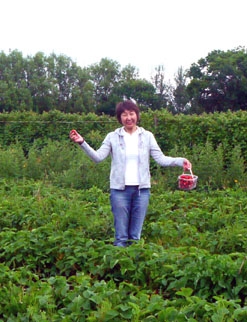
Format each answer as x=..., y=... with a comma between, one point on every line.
x=57, y=262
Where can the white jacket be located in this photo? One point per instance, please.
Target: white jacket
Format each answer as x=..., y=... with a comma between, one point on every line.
x=114, y=145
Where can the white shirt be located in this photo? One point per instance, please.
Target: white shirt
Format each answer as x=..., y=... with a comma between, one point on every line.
x=131, y=165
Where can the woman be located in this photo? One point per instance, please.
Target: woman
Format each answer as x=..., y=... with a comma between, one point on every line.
x=130, y=148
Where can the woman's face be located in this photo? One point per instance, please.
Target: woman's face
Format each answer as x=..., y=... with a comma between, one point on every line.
x=129, y=120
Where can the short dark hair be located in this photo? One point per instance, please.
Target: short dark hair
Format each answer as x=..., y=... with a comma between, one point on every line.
x=129, y=106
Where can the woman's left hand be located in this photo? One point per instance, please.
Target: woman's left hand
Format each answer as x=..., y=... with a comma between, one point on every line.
x=187, y=165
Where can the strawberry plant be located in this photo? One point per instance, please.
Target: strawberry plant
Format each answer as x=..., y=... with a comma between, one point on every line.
x=57, y=261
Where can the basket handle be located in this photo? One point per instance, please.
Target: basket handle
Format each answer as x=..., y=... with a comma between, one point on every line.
x=189, y=169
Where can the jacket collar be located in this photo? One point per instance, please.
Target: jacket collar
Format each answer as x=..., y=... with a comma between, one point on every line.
x=120, y=131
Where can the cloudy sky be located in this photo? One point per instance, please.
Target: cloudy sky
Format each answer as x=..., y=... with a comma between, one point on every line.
x=143, y=33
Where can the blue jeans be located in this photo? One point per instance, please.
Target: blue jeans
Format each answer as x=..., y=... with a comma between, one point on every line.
x=129, y=209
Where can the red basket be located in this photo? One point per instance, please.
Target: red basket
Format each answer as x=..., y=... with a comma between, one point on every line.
x=187, y=181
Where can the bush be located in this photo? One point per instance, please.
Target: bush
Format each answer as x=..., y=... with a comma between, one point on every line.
x=236, y=170
x=66, y=165
x=12, y=161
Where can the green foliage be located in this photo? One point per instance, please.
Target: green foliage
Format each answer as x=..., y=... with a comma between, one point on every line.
x=62, y=163
x=38, y=147
x=219, y=81
x=46, y=83
x=57, y=261
x=41, y=83
x=226, y=129
x=216, y=83
x=11, y=160
x=66, y=165
x=180, y=103
x=188, y=131
x=143, y=92
x=236, y=170
x=209, y=165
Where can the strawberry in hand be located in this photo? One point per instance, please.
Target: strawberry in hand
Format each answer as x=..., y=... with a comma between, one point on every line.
x=187, y=166
x=76, y=137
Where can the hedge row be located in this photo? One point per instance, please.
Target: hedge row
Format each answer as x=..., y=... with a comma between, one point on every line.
x=182, y=131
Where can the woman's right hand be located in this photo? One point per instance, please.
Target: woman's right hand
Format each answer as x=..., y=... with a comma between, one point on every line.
x=76, y=137
x=187, y=165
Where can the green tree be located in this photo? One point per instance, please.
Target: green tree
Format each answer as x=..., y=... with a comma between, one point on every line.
x=161, y=87
x=14, y=94
x=129, y=72
x=180, y=97
x=219, y=82
x=82, y=94
x=8, y=96
x=139, y=89
x=40, y=83
x=105, y=76
x=70, y=84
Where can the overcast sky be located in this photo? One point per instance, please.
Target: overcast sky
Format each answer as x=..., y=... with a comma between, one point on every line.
x=143, y=33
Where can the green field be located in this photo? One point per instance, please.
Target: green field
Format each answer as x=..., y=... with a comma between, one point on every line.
x=57, y=262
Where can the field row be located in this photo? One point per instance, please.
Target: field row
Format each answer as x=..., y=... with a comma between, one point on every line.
x=57, y=261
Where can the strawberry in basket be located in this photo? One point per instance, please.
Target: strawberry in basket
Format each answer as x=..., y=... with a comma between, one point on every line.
x=187, y=181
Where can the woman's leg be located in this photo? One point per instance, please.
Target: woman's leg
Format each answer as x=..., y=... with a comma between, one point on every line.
x=140, y=201
x=120, y=206
x=129, y=209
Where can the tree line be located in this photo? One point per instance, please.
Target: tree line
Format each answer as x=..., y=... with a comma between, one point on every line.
x=40, y=83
